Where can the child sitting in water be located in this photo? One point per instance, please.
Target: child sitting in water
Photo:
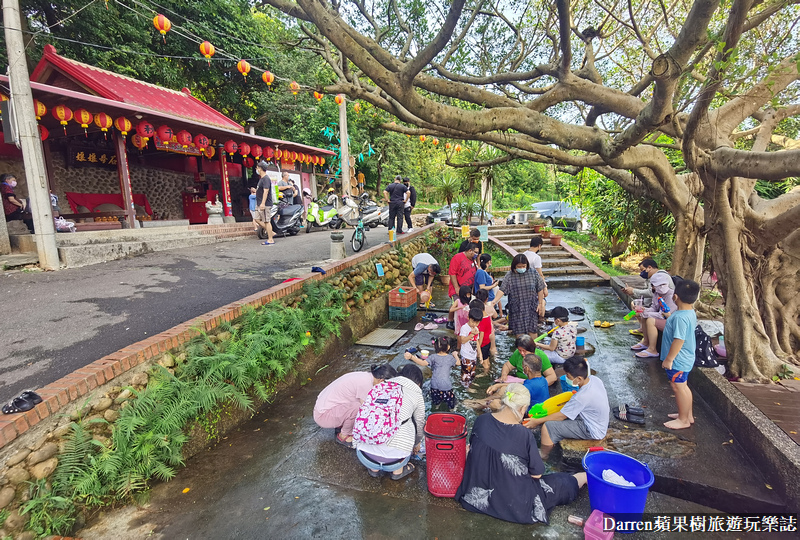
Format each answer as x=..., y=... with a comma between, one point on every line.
x=562, y=343
x=440, y=363
x=535, y=383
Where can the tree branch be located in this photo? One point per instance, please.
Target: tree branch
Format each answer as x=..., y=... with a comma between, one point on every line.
x=433, y=48
x=564, y=34
x=770, y=166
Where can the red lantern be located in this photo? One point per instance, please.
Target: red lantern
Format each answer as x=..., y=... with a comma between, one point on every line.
x=84, y=118
x=123, y=125
x=321, y=161
x=244, y=67
x=357, y=107
x=244, y=149
x=63, y=114
x=184, y=138
x=39, y=107
x=209, y=152
x=201, y=141
x=447, y=145
x=458, y=148
x=294, y=156
x=339, y=99
x=268, y=77
x=256, y=151
x=139, y=141
x=248, y=162
x=269, y=152
x=164, y=133
x=207, y=50
x=318, y=96
x=422, y=138
x=278, y=153
x=315, y=160
x=43, y=133
x=231, y=147
x=294, y=87
x=435, y=142
x=163, y=25
x=103, y=121
x=145, y=129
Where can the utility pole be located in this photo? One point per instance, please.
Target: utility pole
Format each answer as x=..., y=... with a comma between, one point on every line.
x=30, y=142
x=343, y=138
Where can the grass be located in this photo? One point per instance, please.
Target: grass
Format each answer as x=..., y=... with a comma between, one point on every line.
x=590, y=247
x=499, y=258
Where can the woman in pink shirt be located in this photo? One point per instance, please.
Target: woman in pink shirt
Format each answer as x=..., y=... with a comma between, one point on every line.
x=337, y=405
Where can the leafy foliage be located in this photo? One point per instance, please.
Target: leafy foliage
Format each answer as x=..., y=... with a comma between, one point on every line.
x=49, y=513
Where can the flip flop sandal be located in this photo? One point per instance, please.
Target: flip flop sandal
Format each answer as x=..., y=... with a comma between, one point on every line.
x=638, y=347
x=343, y=442
x=577, y=310
x=431, y=326
x=606, y=324
x=31, y=396
x=635, y=332
x=647, y=354
x=18, y=405
x=375, y=474
x=597, y=324
x=440, y=320
x=418, y=327
x=267, y=243
x=628, y=410
x=408, y=469
x=623, y=417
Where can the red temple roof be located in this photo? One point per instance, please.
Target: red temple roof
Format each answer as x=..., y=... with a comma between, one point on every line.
x=55, y=70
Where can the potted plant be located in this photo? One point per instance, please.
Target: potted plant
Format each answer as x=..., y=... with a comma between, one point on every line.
x=538, y=224
x=555, y=239
x=545, y=232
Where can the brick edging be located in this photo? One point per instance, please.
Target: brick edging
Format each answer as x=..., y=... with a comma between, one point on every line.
x=70, y=388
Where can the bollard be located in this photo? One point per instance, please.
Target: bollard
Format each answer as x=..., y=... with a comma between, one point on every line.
x=338, y=251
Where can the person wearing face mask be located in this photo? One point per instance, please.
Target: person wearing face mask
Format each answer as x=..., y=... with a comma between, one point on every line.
x=14, y=208
x=654, y=318
x=525, y=291
x=647, y=268
x=462, y=271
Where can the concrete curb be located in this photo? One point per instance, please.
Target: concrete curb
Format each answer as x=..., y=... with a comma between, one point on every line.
x=71, y=388
x=585, y=261
x=774, y=454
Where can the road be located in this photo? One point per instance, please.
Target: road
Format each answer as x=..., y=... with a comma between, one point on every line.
x=55, y=322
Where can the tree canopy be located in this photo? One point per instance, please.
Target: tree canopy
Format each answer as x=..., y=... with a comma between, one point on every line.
x=683, y=103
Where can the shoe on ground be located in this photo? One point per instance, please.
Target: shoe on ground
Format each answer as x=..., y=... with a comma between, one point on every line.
x=450, y=326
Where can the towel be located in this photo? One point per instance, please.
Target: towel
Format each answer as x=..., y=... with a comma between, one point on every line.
x=613, y=478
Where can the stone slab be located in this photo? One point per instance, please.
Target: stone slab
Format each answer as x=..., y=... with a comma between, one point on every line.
x=165, y=223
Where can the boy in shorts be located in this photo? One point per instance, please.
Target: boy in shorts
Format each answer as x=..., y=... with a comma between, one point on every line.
x=584, y=417
x=677, y=358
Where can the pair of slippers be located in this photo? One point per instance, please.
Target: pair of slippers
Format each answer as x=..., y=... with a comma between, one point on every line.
x=408, y=468
x=429, y=326
x=626, y=413
x=603, y=324
x=24, y=402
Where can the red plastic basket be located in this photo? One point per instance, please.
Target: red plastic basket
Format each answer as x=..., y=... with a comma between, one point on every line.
x=445, y=452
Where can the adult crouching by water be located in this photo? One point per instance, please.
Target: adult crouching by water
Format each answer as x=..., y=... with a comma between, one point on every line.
x=525, y=291
x=338, y=403
x=504, y=475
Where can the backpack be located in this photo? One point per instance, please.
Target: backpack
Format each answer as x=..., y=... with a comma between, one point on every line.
x=379, y=416
x=704, y=355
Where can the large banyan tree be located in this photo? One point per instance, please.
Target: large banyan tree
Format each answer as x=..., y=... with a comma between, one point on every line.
x=689, y=103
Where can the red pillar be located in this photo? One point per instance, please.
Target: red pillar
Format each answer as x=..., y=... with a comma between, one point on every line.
x=226, y=188
x=125, y=179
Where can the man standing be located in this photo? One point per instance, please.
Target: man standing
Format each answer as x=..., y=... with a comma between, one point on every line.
x=264, y=211
x=462, y=272
x=396, y=194
x=411, y=202
x=474, y=238
x=535, y=260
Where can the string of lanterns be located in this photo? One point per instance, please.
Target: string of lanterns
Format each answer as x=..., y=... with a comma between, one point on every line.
x=144, y=131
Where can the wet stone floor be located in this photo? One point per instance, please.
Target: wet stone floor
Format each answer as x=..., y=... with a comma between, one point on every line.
x=281, y=476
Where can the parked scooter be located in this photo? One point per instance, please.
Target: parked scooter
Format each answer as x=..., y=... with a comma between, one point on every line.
x=286, y=222
x=354, y=207
x=321, y=216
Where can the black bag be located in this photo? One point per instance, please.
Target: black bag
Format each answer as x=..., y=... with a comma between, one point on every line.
x=704, y=355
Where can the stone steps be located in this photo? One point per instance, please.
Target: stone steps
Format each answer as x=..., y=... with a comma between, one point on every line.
x=579, y=280
x=548, y=262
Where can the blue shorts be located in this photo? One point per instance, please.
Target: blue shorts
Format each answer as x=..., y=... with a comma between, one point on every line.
x=677, y=376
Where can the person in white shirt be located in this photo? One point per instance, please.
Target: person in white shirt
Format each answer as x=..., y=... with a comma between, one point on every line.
x=535, y=260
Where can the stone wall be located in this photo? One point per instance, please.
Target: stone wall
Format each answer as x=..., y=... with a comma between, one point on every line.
x=162, y=187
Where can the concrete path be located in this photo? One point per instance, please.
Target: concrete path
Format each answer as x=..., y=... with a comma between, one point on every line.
x=55, y=322
x=281, y=476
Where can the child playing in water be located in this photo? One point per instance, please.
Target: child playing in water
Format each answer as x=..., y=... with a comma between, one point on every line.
x=678, y=351
x=440, y=363
x=535, y=383
x=488, y=345
x=562, y=343
x=460, y=308
x=469, y=340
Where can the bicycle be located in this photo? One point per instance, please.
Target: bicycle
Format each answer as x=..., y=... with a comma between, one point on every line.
x=358, y=238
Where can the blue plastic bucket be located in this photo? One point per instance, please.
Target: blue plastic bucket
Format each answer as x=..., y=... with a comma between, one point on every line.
x=580, y=341
x=621, y=502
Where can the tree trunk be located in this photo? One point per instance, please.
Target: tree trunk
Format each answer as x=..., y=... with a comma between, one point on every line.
x=741, y=271
x=690, y=242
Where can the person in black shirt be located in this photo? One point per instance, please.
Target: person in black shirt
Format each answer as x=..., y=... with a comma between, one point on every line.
x=474, y=238
x=264, y=200
x=396, y=194
x=411, y=202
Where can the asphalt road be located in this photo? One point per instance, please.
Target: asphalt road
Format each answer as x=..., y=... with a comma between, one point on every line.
x=52, y=323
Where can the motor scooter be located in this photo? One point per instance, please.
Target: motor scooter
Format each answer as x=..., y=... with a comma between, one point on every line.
x=285, y=222
x=321, y=216
x=353, y=208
